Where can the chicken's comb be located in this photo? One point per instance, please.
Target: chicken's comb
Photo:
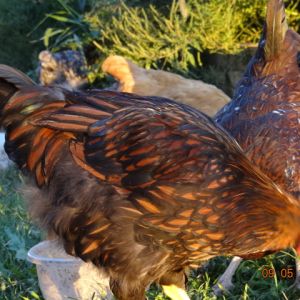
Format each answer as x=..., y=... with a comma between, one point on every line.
x=276, y=28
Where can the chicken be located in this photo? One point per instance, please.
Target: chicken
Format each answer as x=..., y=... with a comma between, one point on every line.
x=133, y=79
x=67, y=67
x=143, y=187
x=265, y=111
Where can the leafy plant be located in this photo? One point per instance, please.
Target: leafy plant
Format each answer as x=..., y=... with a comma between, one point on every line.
x=158, y=35
x=18, y=278
x=17, y=19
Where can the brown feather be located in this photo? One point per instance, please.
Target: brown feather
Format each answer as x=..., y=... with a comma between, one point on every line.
x=276, y=28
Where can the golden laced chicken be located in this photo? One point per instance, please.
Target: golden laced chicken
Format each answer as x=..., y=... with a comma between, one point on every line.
x=67, y=68
x=143, y=187
x=264, y=115
x=134, y=79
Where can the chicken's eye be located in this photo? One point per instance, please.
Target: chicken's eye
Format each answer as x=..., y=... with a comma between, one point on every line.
x=49, y=69
x=298, y=59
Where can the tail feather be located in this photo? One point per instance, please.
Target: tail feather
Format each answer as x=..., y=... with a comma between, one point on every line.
x=26, y=144
x=11, y=80
x=276, y=28
x=15, y=77
x=21, y=101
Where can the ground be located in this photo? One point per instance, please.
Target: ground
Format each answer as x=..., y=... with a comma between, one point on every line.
x=18, y=278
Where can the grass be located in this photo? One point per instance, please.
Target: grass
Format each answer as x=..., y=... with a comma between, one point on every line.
x=18, y=278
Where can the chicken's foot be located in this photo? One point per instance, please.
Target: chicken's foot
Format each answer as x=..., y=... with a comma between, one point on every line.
x=296, y=284
x=225, y=281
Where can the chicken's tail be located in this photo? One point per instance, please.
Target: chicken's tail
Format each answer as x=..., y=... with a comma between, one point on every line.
x=276, y=28
x=123, y=70
x=11, y=80
x=21, y=102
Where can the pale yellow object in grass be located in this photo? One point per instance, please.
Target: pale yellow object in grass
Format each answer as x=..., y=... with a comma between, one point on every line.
x=134, y=79
x=175, y=293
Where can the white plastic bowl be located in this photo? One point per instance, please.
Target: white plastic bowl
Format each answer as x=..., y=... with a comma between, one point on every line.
x=63, y=277
x=4, y=161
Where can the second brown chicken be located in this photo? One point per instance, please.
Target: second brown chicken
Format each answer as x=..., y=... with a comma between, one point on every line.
x=264, y=115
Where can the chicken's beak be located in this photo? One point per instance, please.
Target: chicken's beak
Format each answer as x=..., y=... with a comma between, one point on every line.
x=276, y=28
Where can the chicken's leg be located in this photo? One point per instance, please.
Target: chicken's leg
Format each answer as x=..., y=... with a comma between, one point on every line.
x=225, y=281
x=296, y=284
x=297, y=280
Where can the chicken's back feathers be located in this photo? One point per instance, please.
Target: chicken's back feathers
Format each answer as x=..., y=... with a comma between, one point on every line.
x=265, y=111
x=149, y=149
x=142, y=186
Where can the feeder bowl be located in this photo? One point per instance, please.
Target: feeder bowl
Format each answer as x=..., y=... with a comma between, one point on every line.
x=64, y=277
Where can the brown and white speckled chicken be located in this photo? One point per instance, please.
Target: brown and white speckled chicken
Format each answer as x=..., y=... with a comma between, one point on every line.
x=264, y=115
x=67, y=68
x=142, y=186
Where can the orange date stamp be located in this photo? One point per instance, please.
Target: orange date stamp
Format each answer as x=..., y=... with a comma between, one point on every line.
x=284, y=273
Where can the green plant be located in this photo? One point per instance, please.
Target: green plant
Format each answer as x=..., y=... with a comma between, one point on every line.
x=17, y=276
x=158, y=35
x=17, y=19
